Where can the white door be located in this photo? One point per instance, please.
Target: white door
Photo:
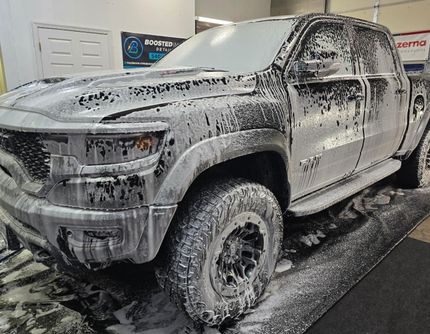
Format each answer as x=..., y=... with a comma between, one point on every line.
x=65, y=51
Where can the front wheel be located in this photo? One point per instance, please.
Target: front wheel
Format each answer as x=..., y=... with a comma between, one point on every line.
x=415, y=172
x=222, y=250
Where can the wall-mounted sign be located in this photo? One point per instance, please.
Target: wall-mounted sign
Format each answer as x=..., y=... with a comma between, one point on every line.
x=414, y=46
x=143, y=50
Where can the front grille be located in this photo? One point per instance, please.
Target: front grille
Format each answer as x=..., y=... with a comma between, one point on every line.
x=29, y=150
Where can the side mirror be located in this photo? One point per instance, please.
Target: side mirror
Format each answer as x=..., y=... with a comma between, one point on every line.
x=315, y=68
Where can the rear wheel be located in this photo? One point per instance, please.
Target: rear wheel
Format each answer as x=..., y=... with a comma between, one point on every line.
x=415, y=172
x=222, y=251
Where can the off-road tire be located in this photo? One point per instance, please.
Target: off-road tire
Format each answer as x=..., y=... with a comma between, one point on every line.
x=415, y=171
x=186, y=257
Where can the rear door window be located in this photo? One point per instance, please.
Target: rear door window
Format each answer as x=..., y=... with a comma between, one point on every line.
x=374, y=51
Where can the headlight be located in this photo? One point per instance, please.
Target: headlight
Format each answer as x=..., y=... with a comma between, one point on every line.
x=100, y=149
x=104, y=171
x=105, y=149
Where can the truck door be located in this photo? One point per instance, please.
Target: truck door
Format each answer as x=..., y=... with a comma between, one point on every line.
x=327, y=108
x=386, y=95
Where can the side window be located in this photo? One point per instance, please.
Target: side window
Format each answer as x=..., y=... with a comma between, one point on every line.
x=374, y=51
x=327, y=42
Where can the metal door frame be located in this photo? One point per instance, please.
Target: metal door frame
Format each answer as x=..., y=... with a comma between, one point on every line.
x=3, y=85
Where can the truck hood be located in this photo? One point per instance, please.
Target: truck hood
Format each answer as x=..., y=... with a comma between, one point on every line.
x=108, y=95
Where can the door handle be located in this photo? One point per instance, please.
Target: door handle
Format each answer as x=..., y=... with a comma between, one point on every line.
x=355, y=97
x=400, y=91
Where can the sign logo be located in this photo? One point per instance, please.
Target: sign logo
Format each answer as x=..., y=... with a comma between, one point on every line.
x=413, y=47
x=411, y=44
x=140, y=50
x=133, y=47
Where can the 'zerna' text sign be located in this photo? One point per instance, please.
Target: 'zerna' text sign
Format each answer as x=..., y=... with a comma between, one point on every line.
x=413, y=46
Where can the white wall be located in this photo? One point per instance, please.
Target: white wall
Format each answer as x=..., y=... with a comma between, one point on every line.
x=233, y=10
x=290, y=7
x=158, y=17
x=398, y=15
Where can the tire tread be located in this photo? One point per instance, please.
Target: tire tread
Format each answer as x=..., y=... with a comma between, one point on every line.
x=185, y=250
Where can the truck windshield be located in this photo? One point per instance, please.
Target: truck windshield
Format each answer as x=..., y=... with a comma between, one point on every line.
x=244, y=47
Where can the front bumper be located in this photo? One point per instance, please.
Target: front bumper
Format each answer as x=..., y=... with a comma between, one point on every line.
x=90, y=237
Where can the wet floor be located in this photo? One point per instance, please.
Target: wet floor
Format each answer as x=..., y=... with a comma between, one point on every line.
x=324, y=255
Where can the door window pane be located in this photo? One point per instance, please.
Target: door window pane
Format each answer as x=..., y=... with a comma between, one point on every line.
x=374, y=51
x=328, y=41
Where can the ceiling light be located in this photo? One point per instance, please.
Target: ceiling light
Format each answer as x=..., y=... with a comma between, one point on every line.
x=210, y=20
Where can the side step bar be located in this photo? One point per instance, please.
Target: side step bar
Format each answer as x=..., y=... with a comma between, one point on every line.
x=324, y=198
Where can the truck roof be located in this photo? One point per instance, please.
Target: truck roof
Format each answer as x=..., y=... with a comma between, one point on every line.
x=311, y=16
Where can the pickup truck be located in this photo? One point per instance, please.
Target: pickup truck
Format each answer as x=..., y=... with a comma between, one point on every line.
x=197, y=162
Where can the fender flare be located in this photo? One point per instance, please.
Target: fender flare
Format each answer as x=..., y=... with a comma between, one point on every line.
x=425, y=122
x=410, y=144
x=196, y=159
